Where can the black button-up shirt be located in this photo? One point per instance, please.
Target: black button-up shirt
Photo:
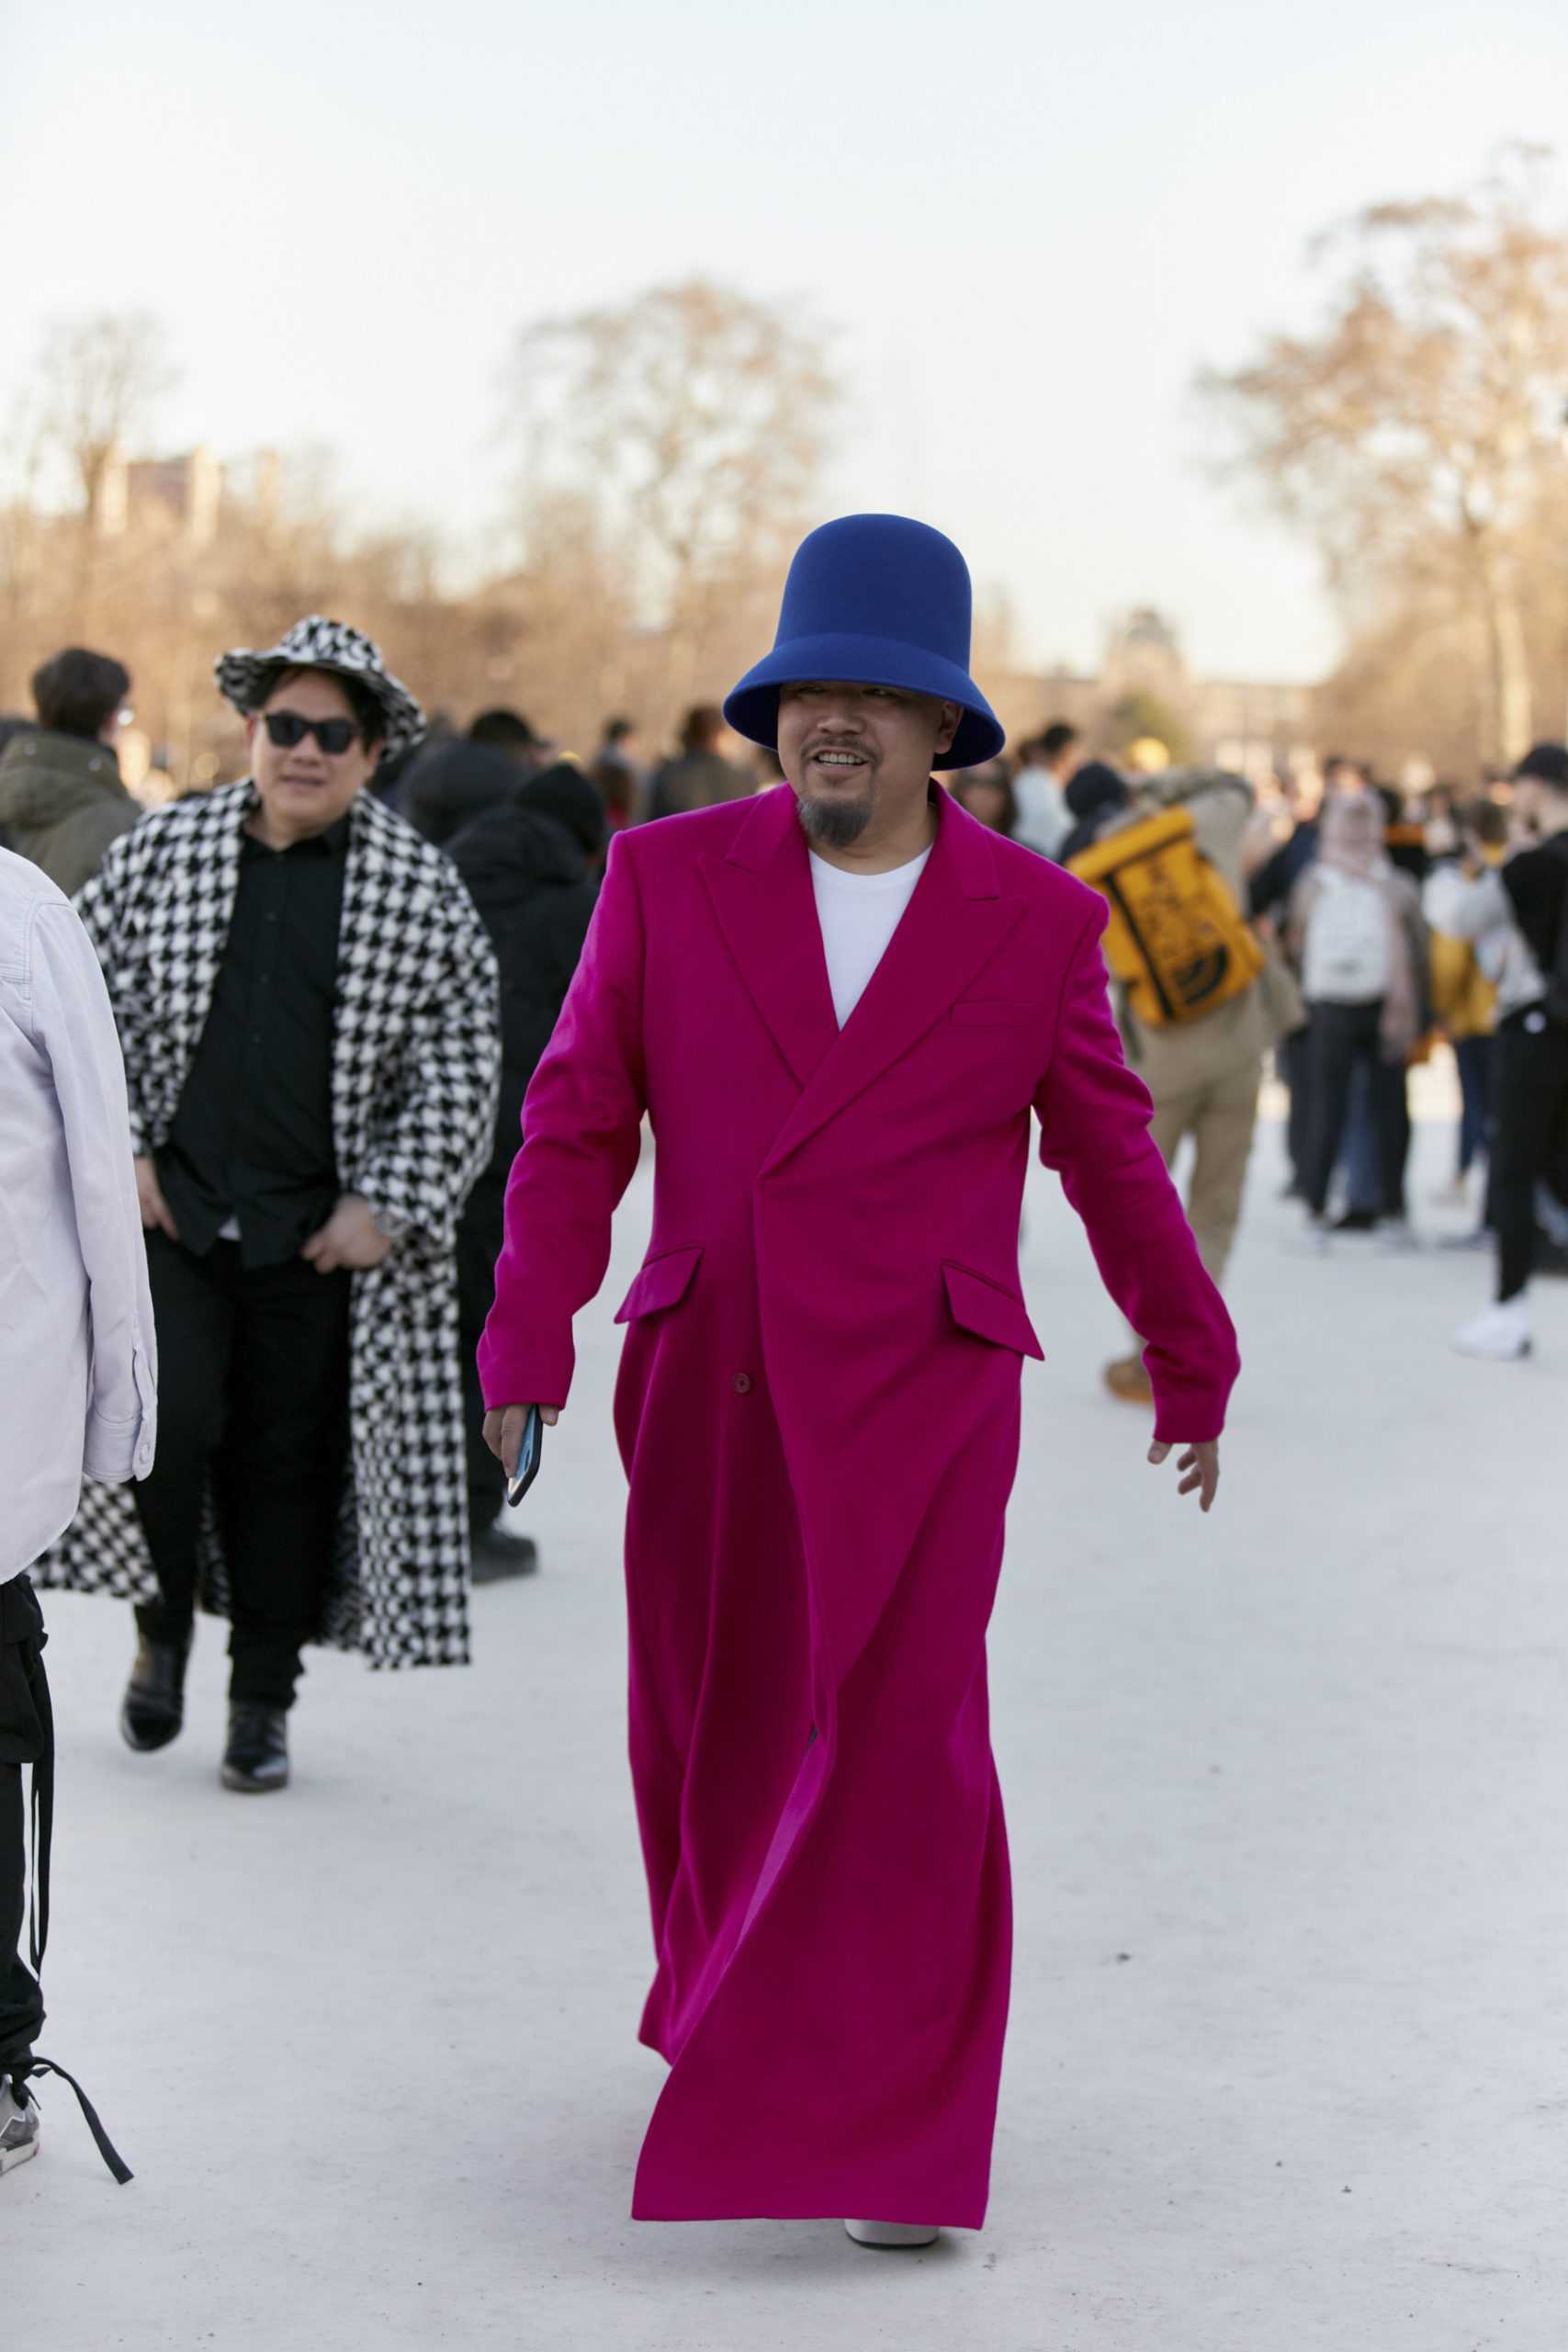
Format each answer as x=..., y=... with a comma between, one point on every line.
x=252, y=1137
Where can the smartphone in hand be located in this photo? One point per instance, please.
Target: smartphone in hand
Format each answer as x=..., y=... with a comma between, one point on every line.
x=529, y=1455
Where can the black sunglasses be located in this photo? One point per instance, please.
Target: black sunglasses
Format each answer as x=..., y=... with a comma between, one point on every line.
x=286, y=727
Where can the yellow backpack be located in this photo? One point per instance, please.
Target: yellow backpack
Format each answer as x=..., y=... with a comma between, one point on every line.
x=1176, y=940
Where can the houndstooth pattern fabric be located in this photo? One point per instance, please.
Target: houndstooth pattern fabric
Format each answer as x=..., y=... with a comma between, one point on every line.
x=245, y=675
x=415, y=1063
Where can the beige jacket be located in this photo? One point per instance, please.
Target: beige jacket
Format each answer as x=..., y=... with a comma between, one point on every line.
x=1181, y=1057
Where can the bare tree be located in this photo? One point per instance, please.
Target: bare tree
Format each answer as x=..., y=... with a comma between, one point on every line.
x=96, y=383
x=99, y=380
x=693, y=421
x=1412, y=436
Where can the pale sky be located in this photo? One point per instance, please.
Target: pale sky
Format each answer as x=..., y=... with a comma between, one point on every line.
x=1022, y=228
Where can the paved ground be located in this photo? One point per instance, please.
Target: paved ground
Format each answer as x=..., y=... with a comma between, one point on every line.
x=1286, y=2068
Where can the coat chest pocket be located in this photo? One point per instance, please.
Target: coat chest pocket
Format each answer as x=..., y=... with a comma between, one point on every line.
x=991, y=1312
x=663, y=1281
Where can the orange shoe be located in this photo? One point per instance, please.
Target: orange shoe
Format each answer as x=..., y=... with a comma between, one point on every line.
x=1127, y=1379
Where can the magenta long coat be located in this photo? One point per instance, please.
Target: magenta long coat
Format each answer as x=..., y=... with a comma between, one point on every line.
x=818, y=1413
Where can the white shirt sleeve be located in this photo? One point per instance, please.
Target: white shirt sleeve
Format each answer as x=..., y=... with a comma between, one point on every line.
x=73, y=1027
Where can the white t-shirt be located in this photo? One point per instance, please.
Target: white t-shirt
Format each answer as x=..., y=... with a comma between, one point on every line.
x=859, y=914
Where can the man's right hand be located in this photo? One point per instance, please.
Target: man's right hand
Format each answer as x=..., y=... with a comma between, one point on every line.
x=155, y=1210
x=503, y=1432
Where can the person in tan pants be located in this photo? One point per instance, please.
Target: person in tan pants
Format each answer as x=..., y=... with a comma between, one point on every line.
x=1204, y=1075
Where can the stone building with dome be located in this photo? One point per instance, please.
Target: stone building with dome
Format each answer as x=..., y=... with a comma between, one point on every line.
x=1144, y=687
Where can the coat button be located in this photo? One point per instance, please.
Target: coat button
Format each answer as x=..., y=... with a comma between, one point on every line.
x=742, y=1383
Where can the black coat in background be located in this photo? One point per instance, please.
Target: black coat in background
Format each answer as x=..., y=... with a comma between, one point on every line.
x=446, y=785
x=535, y=892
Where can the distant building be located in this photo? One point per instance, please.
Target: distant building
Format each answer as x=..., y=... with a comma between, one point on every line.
x=187, y=493
x=189, y=488
x=1144, y=687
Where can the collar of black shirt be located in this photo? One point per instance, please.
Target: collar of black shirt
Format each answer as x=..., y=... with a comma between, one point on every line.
x=333, y=843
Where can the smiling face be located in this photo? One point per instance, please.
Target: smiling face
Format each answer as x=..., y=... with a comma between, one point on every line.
x=859, y=757
x=302, y=789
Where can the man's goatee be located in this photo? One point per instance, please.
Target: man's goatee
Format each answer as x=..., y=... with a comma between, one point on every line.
x=834, y=823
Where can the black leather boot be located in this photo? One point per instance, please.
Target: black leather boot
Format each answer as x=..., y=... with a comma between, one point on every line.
x=153, y=1707
x=257, y=1758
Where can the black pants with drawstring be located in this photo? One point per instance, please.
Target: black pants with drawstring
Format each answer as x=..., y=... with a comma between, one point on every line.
x=26, y=1739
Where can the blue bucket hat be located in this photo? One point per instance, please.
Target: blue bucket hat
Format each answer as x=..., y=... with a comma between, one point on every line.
x=874, y=600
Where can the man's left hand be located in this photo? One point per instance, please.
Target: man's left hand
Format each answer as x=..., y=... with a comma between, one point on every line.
x=1200, y=1469
x=350, y=1236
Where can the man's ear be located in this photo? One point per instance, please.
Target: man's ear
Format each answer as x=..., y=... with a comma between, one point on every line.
x=949, y=718
x=252, y=723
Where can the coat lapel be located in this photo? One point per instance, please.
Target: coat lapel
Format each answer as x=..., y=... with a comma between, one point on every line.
x=363, y=873
x=950, y=931
x=192, y=925
x=763, y=899
x=378, y=932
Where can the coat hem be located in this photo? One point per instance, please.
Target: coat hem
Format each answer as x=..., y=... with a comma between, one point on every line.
x=940, y=2212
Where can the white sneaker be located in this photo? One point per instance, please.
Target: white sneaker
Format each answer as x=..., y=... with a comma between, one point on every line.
x=18, y=2125
x=1502, y=1333
x=892, y=2233
x=1396, y=1235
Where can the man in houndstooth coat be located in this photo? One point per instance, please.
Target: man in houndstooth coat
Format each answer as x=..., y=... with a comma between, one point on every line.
x=307, y=1003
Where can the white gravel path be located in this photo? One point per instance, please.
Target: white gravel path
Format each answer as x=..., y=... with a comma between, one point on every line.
x=1286, y=1791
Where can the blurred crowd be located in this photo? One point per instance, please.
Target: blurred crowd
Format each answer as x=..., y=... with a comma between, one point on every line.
x=1390, y=926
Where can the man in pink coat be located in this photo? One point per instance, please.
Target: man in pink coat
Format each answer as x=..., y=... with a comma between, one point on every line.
x=839, y=1004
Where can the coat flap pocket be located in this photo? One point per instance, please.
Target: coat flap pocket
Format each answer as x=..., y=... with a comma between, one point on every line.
x=663, y=1281
x=992, y=1012
x=991, y=1312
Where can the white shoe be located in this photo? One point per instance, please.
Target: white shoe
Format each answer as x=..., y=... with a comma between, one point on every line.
x=1501, y=1334
x=892, y=2233
x=1395, y=1236
x=19, y=2126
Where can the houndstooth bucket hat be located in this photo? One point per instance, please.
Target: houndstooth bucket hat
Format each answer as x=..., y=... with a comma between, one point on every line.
x=245, y=678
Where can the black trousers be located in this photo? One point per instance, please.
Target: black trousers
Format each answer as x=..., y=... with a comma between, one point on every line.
x=1474, y=1056
x=1339, y=1036
x=26, y=1738
x=479, y=1237
x=1292, y=1061
x=1529, y=1142
x=253, y=1400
